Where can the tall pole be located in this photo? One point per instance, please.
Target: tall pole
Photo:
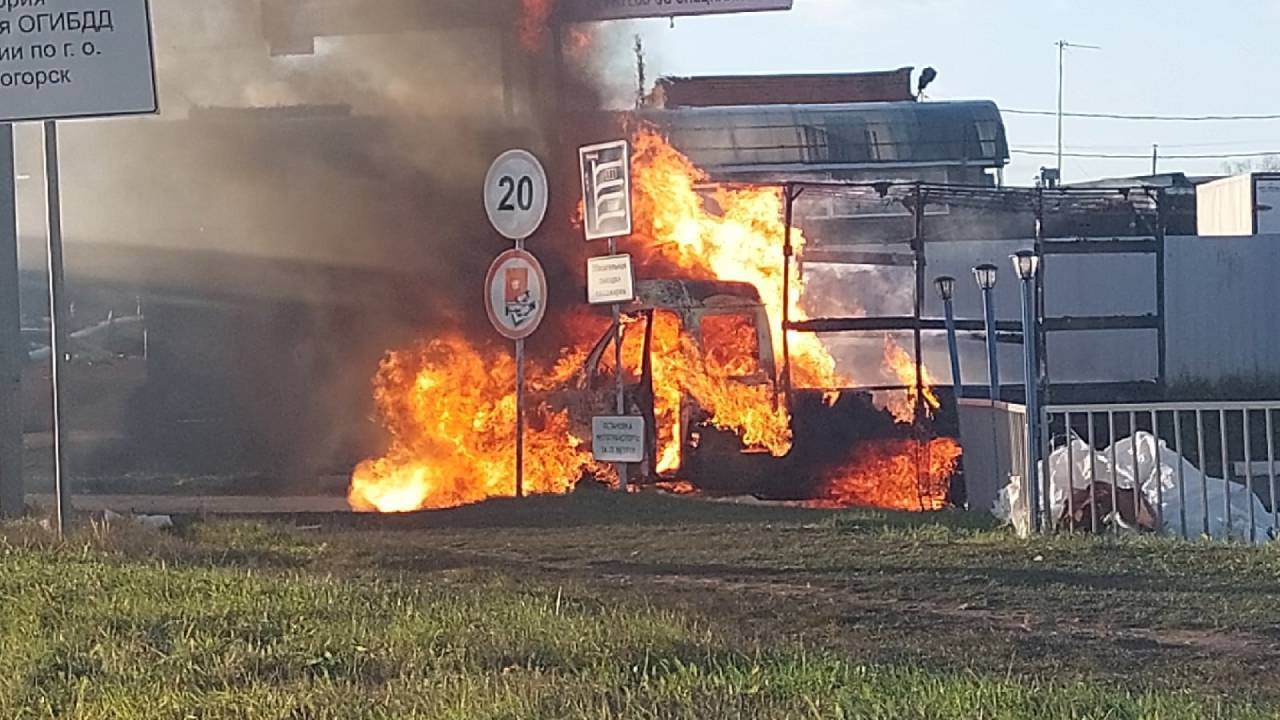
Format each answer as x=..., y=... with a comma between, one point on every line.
x=58, y=314
x=993, y=350
x=922, y=463
x=12, y=353
x=1062, y=62
x=788, y=250
x=1033, y=410
x=520, y=418
x=1062, y=52
x=621, y=381
x=917, y=245
x=520, y=408
x=1155, y=160
x=953, y=346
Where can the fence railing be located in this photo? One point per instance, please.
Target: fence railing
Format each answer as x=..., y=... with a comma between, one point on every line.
x=1190, y=468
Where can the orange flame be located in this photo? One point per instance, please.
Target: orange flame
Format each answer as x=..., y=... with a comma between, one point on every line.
x=741, y=242
x=450, y=411
x=883, y=474
x=903, y=407
x=534, y=19
x=449, y=407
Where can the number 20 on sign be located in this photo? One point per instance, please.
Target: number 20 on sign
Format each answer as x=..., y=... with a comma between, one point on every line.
x=515, y=194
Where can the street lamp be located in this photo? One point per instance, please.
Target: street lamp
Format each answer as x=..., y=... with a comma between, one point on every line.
x=986, y=277
x=1027, y=265
x=947, y=291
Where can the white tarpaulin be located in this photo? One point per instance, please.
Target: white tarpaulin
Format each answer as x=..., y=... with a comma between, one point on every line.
x=1156, y=475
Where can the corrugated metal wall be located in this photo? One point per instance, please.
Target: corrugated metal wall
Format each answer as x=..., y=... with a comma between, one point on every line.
x=1221, y=307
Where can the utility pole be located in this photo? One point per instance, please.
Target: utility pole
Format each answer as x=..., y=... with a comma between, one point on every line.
x=1155, y=160
x=1062, y=55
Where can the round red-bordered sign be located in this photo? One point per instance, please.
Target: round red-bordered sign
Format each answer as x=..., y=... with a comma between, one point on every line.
x=515, y=294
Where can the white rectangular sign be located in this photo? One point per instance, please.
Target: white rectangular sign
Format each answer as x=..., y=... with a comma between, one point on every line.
x=617, y=439
x=75, y=58
x=606, y=189
x=622, y=9
x=610, y=279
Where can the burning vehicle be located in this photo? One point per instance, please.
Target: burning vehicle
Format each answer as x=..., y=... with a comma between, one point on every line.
x=701, y=349
x=724, y=329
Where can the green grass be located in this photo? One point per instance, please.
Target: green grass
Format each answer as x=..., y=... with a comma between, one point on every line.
x=603, y=607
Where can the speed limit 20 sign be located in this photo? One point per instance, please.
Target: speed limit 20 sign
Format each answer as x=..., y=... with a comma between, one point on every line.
x=515, y=194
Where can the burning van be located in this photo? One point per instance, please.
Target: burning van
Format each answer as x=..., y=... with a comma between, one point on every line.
x=691, y=348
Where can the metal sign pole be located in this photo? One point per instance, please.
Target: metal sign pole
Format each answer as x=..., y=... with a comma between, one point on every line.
x=520, y=418
x=58, y=314
x=621, y=381
x=520, y=408
x=12, y=353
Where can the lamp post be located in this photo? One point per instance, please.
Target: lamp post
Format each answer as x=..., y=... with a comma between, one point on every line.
x=1027, y=265
x=947, y=291
x=986, y=277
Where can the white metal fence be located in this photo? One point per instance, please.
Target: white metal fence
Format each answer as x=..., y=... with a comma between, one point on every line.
x=1191, y=469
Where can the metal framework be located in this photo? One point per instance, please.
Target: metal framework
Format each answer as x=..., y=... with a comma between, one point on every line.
x=1046, y=207
x=1052, y=210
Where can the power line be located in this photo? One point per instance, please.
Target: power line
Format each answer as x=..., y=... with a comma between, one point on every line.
x=1147, y=156
x=1144, y=118
x=1135, y=147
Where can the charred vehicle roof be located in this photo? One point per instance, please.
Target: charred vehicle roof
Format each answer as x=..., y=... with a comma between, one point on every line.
x=694, y=294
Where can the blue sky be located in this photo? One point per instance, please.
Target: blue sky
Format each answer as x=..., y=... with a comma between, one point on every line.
x=1170, y=57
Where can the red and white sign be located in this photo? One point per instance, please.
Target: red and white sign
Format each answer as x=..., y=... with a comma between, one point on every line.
x=623, y=9
x=515, y=294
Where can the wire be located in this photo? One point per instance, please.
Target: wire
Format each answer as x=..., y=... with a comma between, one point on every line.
x=1144, y=118
x=1147, y=156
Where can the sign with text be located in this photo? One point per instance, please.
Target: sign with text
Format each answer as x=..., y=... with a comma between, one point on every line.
x=75, y=58
x=606, y=189
x=617, y=439
x=610, y=280
x=623, y=9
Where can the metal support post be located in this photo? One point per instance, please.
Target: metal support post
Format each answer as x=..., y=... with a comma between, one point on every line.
x=1033, y=411
x=59, y=314
x=13, y=354
x=520, y=408
x=520, y=418
x=788, y=251
x=953, y=347
x=993, y=350
x=917, y=245
x=619, y=370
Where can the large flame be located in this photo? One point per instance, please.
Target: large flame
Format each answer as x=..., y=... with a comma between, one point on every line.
x=743, y=241
x=895, y=474
x=450, y=411
x=449, y=407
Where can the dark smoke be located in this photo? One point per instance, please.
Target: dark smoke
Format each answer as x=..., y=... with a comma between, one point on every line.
x=289, y=219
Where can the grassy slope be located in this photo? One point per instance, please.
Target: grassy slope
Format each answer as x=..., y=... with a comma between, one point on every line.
x=552, y=608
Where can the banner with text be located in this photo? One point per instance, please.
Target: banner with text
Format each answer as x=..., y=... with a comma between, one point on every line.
x=75, y=58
